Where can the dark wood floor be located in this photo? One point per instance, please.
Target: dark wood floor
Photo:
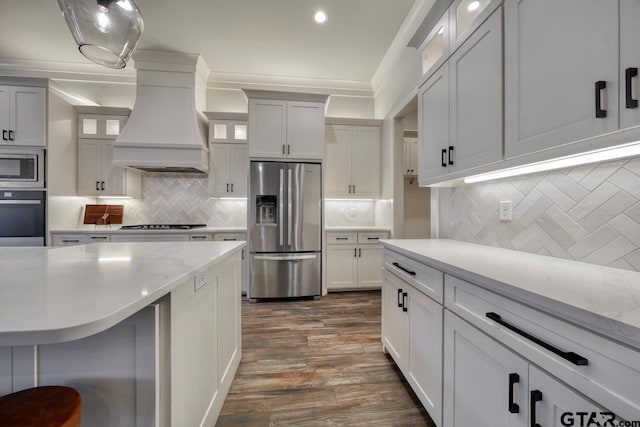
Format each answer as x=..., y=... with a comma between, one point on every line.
x=317, y=363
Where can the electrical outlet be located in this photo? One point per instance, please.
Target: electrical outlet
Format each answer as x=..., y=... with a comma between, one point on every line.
x=200, y=279
x=506, y=210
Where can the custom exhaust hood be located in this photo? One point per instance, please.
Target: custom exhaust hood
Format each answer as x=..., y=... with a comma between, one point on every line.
x=166, y=131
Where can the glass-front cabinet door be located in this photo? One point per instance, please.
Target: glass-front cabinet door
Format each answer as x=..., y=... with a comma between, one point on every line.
x=221, y=131
x=465, y=16
x=434, y=51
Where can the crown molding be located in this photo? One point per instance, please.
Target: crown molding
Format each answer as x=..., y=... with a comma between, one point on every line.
x=347, y=88
x=70, y=71
x=408, y=28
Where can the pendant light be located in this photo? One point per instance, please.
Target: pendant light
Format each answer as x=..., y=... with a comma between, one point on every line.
x=106, y=31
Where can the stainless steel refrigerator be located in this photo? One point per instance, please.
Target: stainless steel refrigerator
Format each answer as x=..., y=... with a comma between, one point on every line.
x=285, y=229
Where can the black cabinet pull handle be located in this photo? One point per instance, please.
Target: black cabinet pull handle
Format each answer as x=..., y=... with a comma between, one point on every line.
x=229, y=240
x=288, y=149
x=536, y=396
x=600, y=86
x=355, y=252
x=450, y=154
x=232, y=187
x=444, y=161
x=404, y=302
x=4, y=135
x=359, y=252
x=11, y=136
x=342, y=238
x=399, y=295
x=514, y=408
x=570, y=356
x=629, y=74
x=227, y=187
x=102, y=186
x=409, y=272
x=373, y=238
x=97, y=185
x=283, y=149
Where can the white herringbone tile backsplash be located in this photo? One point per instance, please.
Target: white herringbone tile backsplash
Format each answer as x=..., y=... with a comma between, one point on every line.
x=588, y=213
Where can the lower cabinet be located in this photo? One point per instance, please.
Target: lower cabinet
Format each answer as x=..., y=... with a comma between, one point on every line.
x=354, y=260
x=412, y=334
x=485, y=384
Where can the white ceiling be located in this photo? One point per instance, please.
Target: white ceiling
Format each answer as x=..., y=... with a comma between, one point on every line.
x=253, y=37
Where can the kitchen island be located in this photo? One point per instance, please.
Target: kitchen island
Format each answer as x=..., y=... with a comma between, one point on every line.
x=148, y=333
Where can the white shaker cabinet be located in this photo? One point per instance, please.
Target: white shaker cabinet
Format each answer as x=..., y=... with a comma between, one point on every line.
x=475, y=98
x=342, y=267
x=23, y=115
x=481, y=379
x=433, y=125
x=281, y=129
x=412, y=334
x=560, y=89
x=410, y=156
x=354, y=260
x=352, y=167
x=229, y=168
x=96, y=175
x=629, y=63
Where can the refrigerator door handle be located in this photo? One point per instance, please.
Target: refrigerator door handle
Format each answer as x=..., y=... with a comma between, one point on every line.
x=284, y=257
x=281, y=208
x=289, y=207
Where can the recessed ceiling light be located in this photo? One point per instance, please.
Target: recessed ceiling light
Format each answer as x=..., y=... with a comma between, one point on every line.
x=320, y=17
x=473, y=6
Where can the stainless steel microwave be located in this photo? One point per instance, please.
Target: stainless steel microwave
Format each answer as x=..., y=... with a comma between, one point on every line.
x=22, y=167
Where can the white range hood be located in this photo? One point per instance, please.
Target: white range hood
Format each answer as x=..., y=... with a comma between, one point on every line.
x=167, y=130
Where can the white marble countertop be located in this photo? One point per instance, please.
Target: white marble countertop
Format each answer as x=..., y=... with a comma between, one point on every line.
x=604, y=299
x=62, y=294
x=357, y=228
x=116, y=230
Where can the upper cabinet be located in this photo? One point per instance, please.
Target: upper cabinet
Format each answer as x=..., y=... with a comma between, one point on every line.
x=466, y=16
x=286, y=125
x=629, y=63
x=227, y=128
x=561, y=89
x=23, y=115
x=352, y=168
x=460, y=107
x=410, y=146
x=98, y=128
x=434, y=51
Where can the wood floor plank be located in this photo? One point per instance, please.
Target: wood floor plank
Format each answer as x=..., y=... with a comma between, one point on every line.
x=318, y=363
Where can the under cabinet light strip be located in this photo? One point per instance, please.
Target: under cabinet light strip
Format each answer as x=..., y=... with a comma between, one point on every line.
x=619, y=152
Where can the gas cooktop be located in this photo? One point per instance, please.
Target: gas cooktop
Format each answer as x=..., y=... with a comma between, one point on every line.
x=162, y=226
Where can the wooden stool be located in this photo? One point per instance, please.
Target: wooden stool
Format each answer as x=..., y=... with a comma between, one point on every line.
x=50, y=406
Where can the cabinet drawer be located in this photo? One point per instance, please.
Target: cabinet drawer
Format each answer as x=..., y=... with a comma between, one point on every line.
x=611, y=375
x=335, y=238
x=427, y=280
x=229, y=237
x=69, y=239
x=372, y=237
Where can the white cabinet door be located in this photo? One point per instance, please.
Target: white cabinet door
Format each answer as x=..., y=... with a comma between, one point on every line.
x=219, y=184
x=477, y=373
x=338, y=161
x=228, y=312
x=413, y=157
x=406, y=151
x=28, y=116
x=305, y=130
x=115, y=180
x=424, y=362
x=433, y=125
x=555, y=53
x=476, y=98
x=553, y=399
x=629, y=63
x=267, y=128
x=394, y=320
x=5, y=114
x=342, y=267
x=238, y=175
x=89, y=167
x=370, y=266
x=366, y=161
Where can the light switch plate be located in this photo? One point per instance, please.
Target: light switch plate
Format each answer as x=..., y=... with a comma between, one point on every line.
x=506, y=210
x=200, y=279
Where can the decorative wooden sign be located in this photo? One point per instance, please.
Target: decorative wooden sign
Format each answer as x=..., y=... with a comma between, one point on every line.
x=103, y=214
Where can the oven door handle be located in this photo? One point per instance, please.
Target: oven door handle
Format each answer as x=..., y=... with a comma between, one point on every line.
x=20, y=202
